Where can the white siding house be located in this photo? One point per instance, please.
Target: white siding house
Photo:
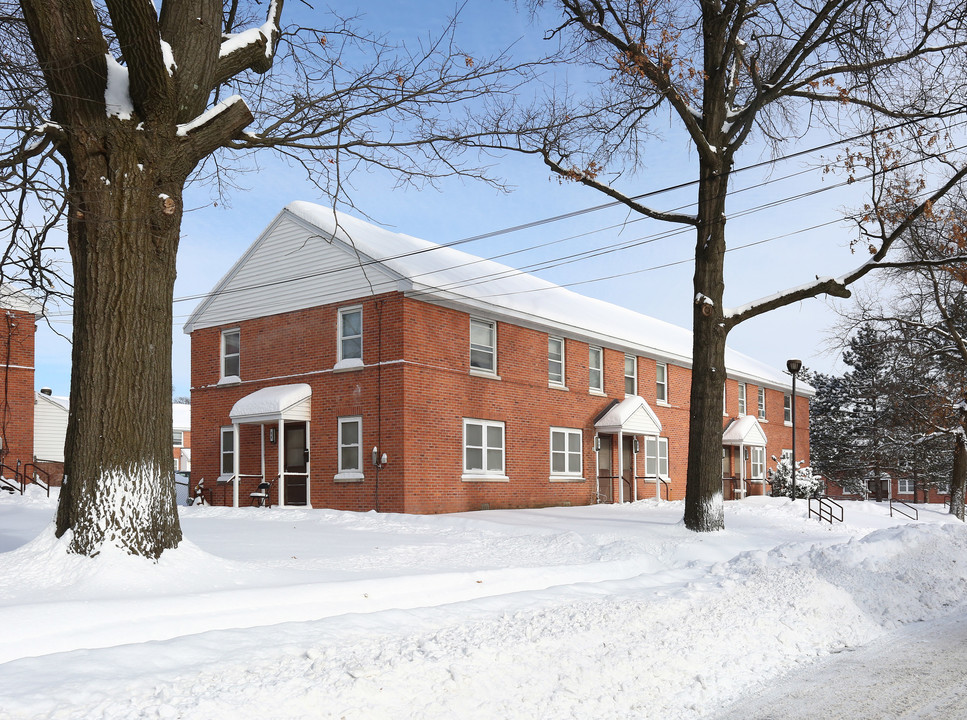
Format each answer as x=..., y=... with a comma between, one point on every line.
x=50, y=427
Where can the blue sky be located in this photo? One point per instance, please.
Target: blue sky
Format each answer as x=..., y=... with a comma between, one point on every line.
x=653, y=277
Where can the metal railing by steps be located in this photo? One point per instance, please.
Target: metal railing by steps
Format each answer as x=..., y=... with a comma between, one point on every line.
x=16, y=479
x=910, y=512
x=826, y=509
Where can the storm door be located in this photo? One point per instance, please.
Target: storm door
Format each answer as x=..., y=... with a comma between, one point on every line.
x=628, y=468
x=296, y=463
x=605, y=485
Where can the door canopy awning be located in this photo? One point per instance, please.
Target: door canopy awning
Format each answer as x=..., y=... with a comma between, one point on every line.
x=744, y=430
x=271, y=404
x=631, y=416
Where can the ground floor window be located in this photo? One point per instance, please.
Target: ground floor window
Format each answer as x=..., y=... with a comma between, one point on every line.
x=656, y=456
x=228, y=450
x=904, y=486
x=350, y=444
x=566, y=452
x=757, y=462
x=483, y=447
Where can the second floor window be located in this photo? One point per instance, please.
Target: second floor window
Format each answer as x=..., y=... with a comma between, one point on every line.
x=231, y=353
x=787, y=408
x=555, y=360
x=742, y=407
x=631, y=375
x=595, y=369
x=483, y=345
x=351, y=334
x=178, y=438
x=762, y=403
x=661, y=382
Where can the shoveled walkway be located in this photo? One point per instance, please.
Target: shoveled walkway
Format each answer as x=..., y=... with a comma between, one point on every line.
x=915, y=673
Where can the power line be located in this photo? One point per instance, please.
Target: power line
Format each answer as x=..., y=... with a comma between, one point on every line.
x=517, y=228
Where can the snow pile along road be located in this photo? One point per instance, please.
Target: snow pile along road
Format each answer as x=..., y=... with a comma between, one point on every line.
x=588, y=612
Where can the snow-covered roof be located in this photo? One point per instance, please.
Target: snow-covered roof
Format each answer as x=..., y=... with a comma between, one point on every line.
x=181, y=416
x=744, y=430
x=270, y=279
x=270, y=403
x=631, y=415
x=13, y=298
x=60, y=401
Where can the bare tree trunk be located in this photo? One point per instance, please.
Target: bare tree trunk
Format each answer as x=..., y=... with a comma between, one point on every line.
x=123, y=236
x=958, y=476
x=704, y=511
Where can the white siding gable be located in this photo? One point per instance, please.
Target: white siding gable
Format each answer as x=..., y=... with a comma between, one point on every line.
x=291, y=266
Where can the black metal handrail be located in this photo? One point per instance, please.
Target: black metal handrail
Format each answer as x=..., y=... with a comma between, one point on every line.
x=827, y=509
x=14, y=484
x=35, y=476
x=913, y=513
x=658, y=478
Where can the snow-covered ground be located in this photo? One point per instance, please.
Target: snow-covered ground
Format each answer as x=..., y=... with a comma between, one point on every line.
x=582, y=612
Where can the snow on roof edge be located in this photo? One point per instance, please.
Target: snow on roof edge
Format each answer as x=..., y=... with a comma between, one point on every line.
x=438, y=274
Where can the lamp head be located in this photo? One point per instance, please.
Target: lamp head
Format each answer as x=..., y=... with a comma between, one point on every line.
x=794, y=365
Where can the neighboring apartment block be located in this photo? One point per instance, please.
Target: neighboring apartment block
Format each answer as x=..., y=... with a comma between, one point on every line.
x=357, y=368
x=18, y=324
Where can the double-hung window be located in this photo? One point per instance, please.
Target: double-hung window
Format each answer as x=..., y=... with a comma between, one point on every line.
x=661, y=382
x=595, y=369
x=555, y=361
x=565, y=452
x=350, y=446
x=178, y=438
x=656, y=456
x=762, y=403
x=231, y=353
x=904, y=486
x=742, y=406
x=483, y=346
x=631, y=375
x=350, y=334
x=757, y=462
x=227, y=450
x=483, y=448
x=787, y=408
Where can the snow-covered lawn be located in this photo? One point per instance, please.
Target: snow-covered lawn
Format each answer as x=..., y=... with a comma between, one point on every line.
x=584, y=612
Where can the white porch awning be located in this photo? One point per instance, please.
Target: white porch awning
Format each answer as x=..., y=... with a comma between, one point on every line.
x=291, y=402
x=744, y=430
x=631, y=416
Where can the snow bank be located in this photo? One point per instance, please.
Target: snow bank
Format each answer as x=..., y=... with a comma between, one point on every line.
x=585, y=612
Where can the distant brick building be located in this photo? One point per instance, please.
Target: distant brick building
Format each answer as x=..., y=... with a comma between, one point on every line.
x=18, y=316
x=359, y=369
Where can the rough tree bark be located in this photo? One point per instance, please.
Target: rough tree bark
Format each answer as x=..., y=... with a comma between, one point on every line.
x=958, y=475
x=127, y=167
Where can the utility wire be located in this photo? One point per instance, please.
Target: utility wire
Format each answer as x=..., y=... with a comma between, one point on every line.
x=517, y=228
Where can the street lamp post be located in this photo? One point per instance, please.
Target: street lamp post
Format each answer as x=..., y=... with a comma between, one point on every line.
x=793, y=366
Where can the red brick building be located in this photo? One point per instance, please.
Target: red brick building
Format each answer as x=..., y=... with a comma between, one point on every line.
x=18, y=316
x=358, y=369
